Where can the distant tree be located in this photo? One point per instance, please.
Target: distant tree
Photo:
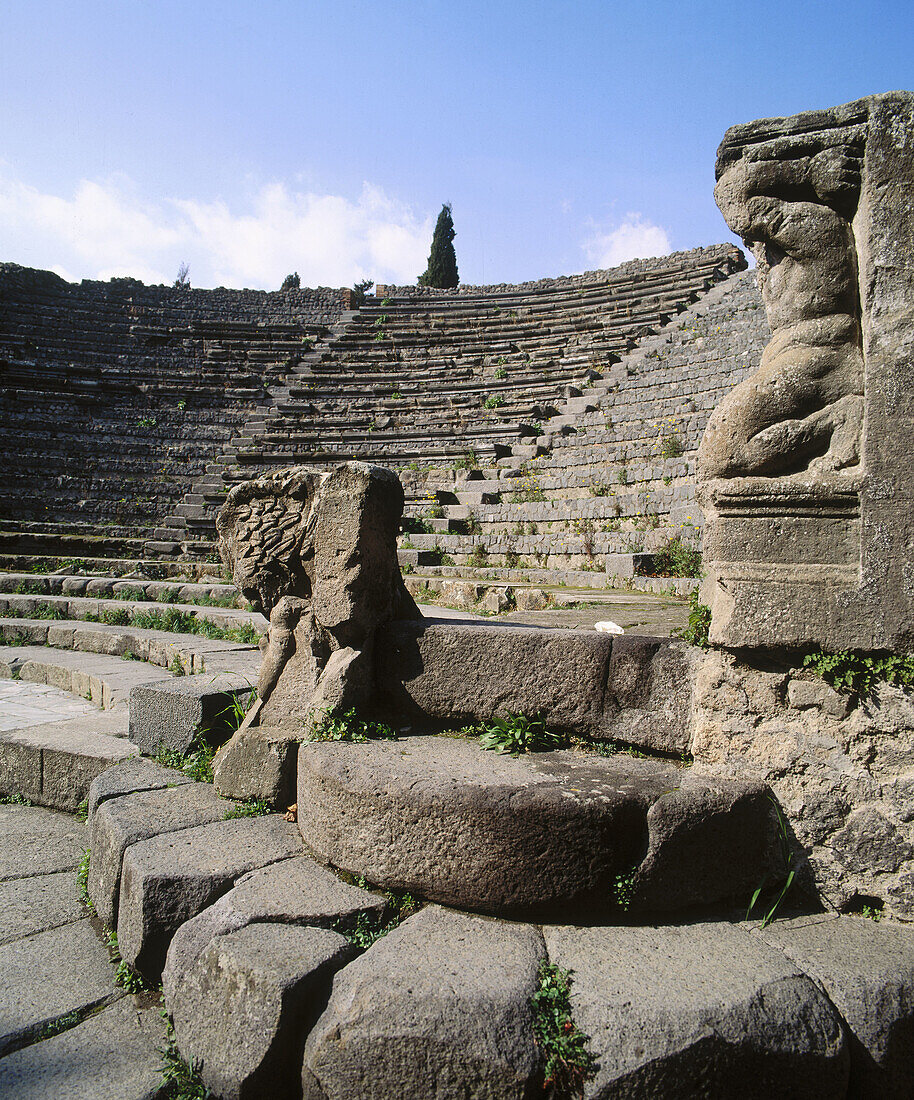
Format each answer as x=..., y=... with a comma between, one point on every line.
x=183, y=280
x=359, y=291
x=291, y=282
x=442, y=260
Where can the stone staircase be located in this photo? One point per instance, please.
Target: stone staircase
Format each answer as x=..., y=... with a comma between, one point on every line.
x=419, y=380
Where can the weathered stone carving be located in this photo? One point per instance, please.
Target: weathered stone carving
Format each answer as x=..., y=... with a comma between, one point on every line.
x=317, y=554
x=804, y=471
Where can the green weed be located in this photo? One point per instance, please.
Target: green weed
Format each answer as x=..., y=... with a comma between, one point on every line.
x=15, y=800
x=516, y=734
x=179, y=1080
x=677, y=559
x=858, y=673
x=327, y=725
x=196, y=763
x=568, y=1061
x=777, y=887
x=82, y=881
x=252, y=807
x=699, y=624
x=370, y=927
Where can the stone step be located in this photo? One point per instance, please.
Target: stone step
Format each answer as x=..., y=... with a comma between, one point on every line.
x=535, y=834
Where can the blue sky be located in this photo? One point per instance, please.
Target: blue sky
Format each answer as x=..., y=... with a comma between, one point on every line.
x=251, y=139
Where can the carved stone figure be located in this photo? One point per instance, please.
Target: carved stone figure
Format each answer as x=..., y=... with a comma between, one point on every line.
x=316, y=553
x=802, y=410
x=804, y=469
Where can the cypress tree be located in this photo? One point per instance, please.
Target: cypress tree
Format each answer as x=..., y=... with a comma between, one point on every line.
x=442, y=260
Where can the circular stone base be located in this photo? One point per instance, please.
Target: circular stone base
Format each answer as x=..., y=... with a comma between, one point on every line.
x=447, y=820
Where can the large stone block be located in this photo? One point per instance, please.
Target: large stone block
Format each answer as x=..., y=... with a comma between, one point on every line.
x=454, y=823
x=867, y=971
x=439, y=1007
x=635, y=690
x=119, y=822
x=242, y=1012
x=292, y=891
x=170, y=714
x=168, y=879
x=699, y=1010
x=259, y=762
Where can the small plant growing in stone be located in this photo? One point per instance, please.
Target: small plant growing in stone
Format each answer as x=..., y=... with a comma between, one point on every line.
x=696, y=630
x=568, y=1061
x=467, y=461
x=873, y=912
x=248, y=807
x=777, y=889
x=479, y=557
x=517, y=734
x=327, y=725
x=493, y=401
x=179, y=1080
x=677, y=559
x=500, y=373
x=196, y=763
x=858, y=673
x=291, y=282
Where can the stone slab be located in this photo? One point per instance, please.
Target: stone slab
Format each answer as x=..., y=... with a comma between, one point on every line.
x=47, y=976
x=168, y=879
x=702, y=1009
x=170, y=714
x=636, y=690
x=120, y=822
x=293, y=891
x=130, y=776
x=259, y=762
x=113, y=1055
x=38, y=904
x=38, y=841
x=451, y=822
x=55, y=765
x=458, y=672
x=244, y=1009
x=438, y=1007
x=867, y=970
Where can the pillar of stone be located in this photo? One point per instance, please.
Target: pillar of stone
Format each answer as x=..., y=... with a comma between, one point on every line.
x=806, y=469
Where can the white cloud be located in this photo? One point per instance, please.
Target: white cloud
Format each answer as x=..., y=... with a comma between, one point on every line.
x=106, y=228
x=634, y=239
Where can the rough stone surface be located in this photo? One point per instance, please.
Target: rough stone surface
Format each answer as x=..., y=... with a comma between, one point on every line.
x=293, y=891
x=131, y=776
x=259, y=762
x=55, y=764
x=845, y=784
x=438, y=1007
x=444, y=818
x=867, y=971
x=168, y=879
x=805, y=480
x=120, y=822
x=702, y=1009
x=113, y=1054
x=75, y=974
x=459, y=671
x=243, y=1010
x=636, y=690
x=37, y=904
x=169, y=715
x=39, y=841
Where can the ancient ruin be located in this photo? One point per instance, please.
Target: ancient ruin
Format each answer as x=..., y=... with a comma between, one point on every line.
x=679, y=844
